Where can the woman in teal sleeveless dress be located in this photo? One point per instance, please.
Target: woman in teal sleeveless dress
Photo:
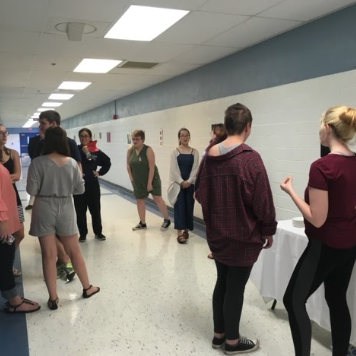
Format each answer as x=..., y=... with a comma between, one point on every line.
x=145, y=179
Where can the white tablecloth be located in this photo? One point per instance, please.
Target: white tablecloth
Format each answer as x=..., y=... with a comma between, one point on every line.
x=272, y=271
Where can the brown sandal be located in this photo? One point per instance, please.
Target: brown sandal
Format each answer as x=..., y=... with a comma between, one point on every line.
x=182, y=239
x=186, y=234
x=12, y=309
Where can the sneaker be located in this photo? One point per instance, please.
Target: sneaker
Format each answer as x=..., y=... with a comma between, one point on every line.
x=69, y=271
x=100, y=237
x=60, y=271
x=139, y=226
x=28, y=207
x=82, y=238
x=217, y=343
x=166, y=224
x=243, y=346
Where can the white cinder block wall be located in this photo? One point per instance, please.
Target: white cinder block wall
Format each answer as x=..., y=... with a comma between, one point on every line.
x=285, y=129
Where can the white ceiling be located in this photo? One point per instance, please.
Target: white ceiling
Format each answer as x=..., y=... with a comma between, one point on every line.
x=30, y=45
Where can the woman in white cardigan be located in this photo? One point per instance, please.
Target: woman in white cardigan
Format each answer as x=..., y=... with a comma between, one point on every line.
x=183, y=169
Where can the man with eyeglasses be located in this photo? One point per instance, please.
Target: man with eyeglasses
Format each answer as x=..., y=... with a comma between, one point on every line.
x=47, y=119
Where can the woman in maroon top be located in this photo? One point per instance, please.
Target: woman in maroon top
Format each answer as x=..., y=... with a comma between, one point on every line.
x=330, y=225
x=233, y=189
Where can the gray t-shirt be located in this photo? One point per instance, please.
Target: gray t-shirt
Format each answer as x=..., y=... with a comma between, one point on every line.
x=46, y=178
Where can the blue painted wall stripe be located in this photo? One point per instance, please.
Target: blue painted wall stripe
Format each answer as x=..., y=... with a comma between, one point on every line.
x=325, y=46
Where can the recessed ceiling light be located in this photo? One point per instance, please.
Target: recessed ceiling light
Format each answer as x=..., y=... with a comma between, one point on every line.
x=44, y=109
x=60, y=96
x=88, y=65
x=51, y=104
x=74, y=85
x=144, y=23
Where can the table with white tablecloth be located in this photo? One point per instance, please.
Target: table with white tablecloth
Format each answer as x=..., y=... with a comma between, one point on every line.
x=272, y=272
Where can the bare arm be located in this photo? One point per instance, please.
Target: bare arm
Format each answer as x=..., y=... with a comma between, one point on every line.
x=17, y=166
x=151, y=164
x=316, y=211
x=128, y=166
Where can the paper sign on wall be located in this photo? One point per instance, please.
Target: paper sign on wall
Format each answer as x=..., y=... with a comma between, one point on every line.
x=161, y=137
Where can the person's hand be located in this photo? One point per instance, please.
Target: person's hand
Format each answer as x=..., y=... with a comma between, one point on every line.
x=96, y=173
x=85, y=149
x=268, y=242
x=187, y=184
x=287, y=185
x=149, y=187
x=4, y=231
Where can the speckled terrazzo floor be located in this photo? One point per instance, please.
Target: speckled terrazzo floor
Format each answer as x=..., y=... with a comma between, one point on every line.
x=155, y=297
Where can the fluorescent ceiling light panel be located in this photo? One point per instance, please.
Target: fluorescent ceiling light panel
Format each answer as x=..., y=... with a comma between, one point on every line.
x=44, y=109
x=29, y=123
x=36, y=114
x=60, y=96
x=51, y=104
x=144, y=23
x=74, y=85
x=88, y=65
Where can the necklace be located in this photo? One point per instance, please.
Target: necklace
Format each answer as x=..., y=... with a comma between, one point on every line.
x=343, y=153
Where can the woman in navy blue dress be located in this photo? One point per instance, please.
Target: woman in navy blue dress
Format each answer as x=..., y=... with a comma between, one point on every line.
x=183, y=170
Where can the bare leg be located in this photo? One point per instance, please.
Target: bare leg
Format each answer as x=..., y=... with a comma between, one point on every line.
x=63, y=258
x=19, y=236
x=161, y=206
x=49, y=256
x=71, y=245
x=141, y=208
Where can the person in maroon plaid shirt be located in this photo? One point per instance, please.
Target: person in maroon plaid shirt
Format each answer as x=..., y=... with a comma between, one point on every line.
x=233, y=188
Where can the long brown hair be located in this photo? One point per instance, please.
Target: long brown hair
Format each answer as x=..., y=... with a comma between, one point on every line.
x=56, y=141
x=5, y=149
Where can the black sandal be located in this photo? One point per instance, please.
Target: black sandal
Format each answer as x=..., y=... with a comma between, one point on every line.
x=53, y=304
x=86, y=295
x=14, y=310
x=182, y=239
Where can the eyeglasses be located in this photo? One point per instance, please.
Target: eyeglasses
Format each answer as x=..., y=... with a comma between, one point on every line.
x=84, y=136
x=5, y=133
x=184, y=136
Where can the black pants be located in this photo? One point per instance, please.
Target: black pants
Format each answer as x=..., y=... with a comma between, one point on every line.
x=333, y=267
x=7, y=279
x=228, y=298
x=90, y=199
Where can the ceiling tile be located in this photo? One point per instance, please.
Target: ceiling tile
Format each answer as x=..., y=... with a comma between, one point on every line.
x=198, y=27
x=103, y=10
x=171, y=4
x=304, y=10
x=204, y=54
x=240, y=7
x=252, y=31
x=29, y=15
x=19, y=42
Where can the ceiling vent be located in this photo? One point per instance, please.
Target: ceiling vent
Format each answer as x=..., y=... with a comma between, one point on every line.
x=137, y=65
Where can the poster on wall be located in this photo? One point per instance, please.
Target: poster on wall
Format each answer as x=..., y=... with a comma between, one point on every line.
x=161, y=137
x=108, y=137
x=100, y=135
x=129, y=142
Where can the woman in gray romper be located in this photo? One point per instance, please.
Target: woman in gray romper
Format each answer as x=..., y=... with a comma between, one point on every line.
x=53, y=178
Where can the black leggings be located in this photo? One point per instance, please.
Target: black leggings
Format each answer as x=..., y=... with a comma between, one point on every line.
x=228, y=298
x=7, y=279
x=333, y=267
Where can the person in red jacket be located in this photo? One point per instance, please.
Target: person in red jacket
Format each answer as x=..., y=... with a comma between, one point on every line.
x=233, y=188
x=329, y=210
